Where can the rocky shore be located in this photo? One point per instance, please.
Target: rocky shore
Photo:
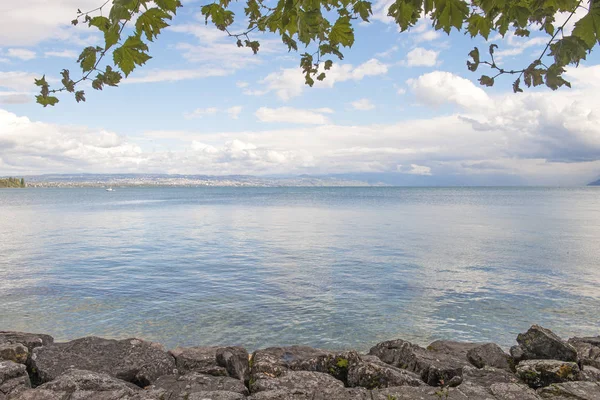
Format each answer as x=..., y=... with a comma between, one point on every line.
x=540, y=366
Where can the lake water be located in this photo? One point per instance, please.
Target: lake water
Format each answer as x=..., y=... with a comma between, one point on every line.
x=327, y=267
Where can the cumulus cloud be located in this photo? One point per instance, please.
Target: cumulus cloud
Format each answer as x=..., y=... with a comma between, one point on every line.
x=62, y=54
x=289, y=82
x=439, y=87
x=174, y=75
x=420, y=57
x=234, y=112
x=363, y=105
x=291, y=115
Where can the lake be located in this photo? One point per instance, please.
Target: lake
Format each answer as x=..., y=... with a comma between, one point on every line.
x=328, y=267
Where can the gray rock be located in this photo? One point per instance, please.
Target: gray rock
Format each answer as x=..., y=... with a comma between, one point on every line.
x=590, y=374
x=513, y=391
x=82, y=385
x=29, y=340
x=540, y=373
x=13, y=379
x=489, y=355
x=198, y=359
x=296, y=380
x=216, y=395
x=588, y=350
x=282, y=395
x=342, y=394
x=487, y=376
x=539, y=343
x=132, y=360
x=235, y=360
x=571, y=391
x=15, y=352
x=372, y=373
x=450, y=347
x=420, y=393
x=179, y=387
x=434, y=366
x=517, y=353
x=274, y=361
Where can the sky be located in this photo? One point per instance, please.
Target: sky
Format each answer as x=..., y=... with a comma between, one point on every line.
x=400, y=106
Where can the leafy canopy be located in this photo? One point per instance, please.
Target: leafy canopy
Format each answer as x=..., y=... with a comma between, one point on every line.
x=326, y=28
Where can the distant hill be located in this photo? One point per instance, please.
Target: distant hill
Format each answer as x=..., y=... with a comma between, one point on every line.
x=12, y=183
x=595, y=183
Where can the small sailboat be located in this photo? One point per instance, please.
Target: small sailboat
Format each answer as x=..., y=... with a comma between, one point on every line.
x=110, y=189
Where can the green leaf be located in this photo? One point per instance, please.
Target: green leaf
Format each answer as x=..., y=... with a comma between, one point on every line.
x=479, y=25
x=112, y=78
x=363, y=9
x=46, y=100
x=328, y=65
x=554, y=78
x=588, y=28
x=66, y=81
x=41, y=82
x=168, y=5
x=486, y=81
x=474, y=54
x=450, y=13
x=80, y=96
x=87, y=59
x=102, y=23
x=321, y=76
x=342, y=32
x=568, y=50
x=492, y=48
x=151, y=22
x=131, y=54
x=522, y=32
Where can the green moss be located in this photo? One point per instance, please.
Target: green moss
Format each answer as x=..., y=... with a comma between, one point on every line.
x=342, y=363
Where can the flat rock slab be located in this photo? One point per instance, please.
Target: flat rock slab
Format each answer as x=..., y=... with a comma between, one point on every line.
x=540, y=373
x=434, y=367
x=539, y=343
x=297, y=380
x=513, y=391
x=81, y=385
x=572, y=391
x=216, y=395
x=132, y=360
x=487, y=376
x=218, y=361
x=180, y=387
x=372, y=373
x=418, y=393
x=13, y=379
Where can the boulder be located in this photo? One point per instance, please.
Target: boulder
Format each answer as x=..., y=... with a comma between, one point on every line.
x=283, y=395
x=82, y=385
x=513, y=391
x=15, y=352
x=342, y=394
x=198, y=359
x=179, y=387
x=13, y=379
x=571, y=391
x=420, y=393
x=588, y=350
x=487, y=376
x=29, y=340
x=216, y=395
x=274, y=361
x=450, y=347
x=489, y=355
x=296, y=380
x=435, y=367
x=372, y=373
x=539, y=343
x=540, y=373
x=590, y=374
x=236, y=361
x=132, y=360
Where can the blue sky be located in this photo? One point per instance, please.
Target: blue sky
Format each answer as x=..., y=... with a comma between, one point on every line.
x=399, y=104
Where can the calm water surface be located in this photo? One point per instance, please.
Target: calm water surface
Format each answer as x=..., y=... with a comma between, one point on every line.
x=328, y=267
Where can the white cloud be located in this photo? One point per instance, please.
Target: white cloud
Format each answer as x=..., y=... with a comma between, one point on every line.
x=401, y=91
x=234, y=112
x=22, y=54
x=62, y=54
x=363, y=105
x=420, y=57
x=174, y=75
x=289, y=82
x=18, y=81
x=28, y=22
x=515, y=45
x=201, y=112
x=438, y=87
x=388, y=52
x=419, y=170
x=15, y=98
x=291, y=115
x=241, y=84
